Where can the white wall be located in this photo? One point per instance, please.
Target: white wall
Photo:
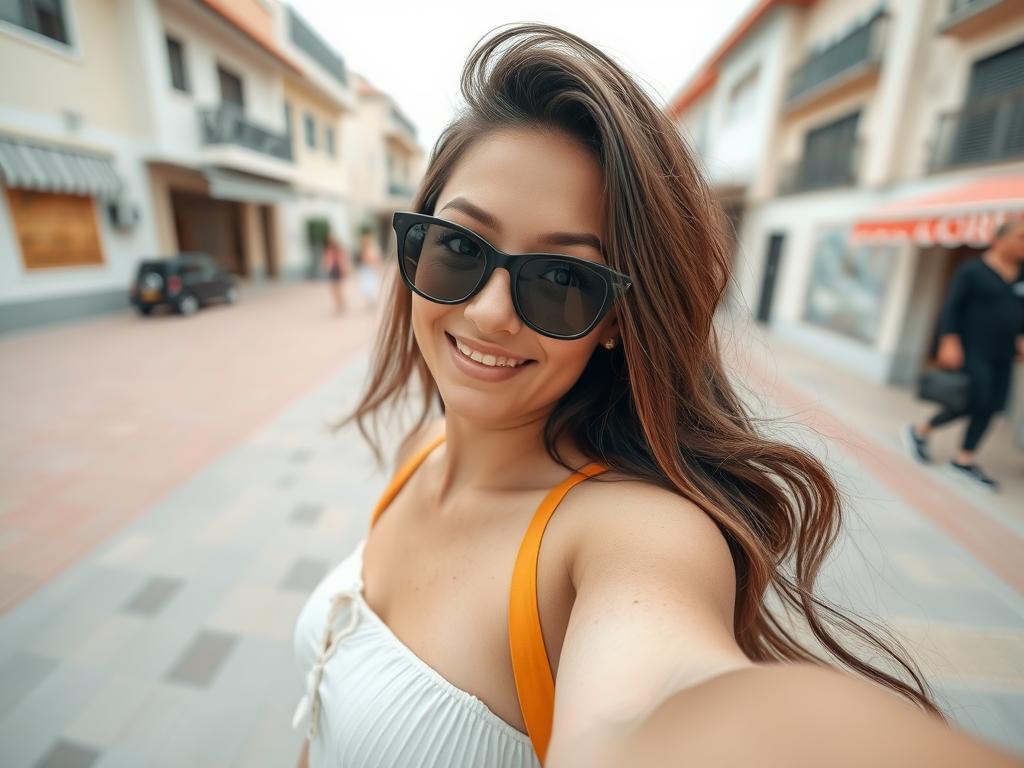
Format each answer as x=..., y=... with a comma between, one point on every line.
x=802, y=218
x=176, y=118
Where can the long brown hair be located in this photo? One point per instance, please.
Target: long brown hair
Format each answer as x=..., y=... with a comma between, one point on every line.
x=660, y=406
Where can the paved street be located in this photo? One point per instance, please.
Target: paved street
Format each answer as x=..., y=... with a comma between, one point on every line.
x=189, y=467
x=102, y=419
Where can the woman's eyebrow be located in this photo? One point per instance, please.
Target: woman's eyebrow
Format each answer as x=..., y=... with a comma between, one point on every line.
x=553, y=238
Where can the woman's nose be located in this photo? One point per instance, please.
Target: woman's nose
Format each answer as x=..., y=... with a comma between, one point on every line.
x=491, y=309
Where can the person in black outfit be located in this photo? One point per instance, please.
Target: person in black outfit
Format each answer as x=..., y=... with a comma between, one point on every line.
x=981, y=331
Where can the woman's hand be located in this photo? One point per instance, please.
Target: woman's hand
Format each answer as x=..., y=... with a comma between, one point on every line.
x=951, y=352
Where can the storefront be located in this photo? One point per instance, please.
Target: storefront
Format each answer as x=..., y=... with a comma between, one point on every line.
x=72, y=227
x=55, y=197
x=937, y=232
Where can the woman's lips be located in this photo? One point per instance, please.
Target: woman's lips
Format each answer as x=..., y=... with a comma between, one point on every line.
x=480, y=371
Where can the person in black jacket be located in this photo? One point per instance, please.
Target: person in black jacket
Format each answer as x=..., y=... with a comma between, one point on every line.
x=981, y=331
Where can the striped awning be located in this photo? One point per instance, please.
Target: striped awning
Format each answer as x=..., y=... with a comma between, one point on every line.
x=49, y=168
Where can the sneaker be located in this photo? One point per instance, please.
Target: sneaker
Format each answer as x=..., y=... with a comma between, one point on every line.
x=973, y=474
x=916, y=445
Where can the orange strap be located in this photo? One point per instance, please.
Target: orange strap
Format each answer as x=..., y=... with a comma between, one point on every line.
x=402, y=476
x=535, y=684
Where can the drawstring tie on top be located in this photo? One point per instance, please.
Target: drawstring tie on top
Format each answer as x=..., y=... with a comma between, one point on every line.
x=310, y=703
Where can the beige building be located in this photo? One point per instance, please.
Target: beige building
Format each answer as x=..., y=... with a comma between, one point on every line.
x=141, y=128
x=863, y=150
x=72, y=142
x=390, y=161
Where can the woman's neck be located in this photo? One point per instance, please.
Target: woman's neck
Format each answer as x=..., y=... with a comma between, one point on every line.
x=489, y=458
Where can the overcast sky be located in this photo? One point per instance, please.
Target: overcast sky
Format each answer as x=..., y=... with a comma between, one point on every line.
x=415, y=50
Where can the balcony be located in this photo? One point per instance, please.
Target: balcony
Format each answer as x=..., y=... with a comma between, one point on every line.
x=988, y=131
x=401, y=130
x=850, y=63
x=971, y=18
x=401, y=189
x=829, y=172
x=227, y=124
x=309, y=42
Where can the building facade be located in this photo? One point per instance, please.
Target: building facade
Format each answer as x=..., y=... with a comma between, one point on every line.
x=142, y=128
x=863, y=150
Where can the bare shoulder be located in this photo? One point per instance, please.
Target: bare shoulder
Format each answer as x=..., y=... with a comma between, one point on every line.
x=632, y=529
x=415, y=440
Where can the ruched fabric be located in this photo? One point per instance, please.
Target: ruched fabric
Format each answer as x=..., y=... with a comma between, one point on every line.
x=378, y=704
x=370, y=701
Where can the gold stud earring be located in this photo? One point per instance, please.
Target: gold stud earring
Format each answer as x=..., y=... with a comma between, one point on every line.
x=609, y=343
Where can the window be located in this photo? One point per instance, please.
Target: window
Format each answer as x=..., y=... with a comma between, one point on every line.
x=310, y=123
x=329, y=140
x=231, y=91
x=176, y=59
x=44, y=17
x=830, y=154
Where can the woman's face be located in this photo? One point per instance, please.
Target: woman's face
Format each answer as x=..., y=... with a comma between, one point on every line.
x=522, y=190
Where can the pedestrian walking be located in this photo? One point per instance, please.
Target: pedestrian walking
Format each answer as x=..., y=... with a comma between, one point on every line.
x=335, y=263
x=369, y=268
x=981, y=332
x=596, y=508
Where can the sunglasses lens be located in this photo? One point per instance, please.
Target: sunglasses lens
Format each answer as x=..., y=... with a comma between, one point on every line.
x=562, y=297
x=442, y=263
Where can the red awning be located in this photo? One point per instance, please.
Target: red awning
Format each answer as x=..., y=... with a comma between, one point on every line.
x=967, y=214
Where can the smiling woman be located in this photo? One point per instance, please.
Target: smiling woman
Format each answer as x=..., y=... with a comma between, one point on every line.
x=558, y=281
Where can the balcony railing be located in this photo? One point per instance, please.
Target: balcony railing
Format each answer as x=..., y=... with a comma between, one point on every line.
x=862, y=46
x=400, y=189
x=403, y=123
x=984, y=132
x=957, y=7
x=227, y=124
x=967, y=18
x=309, y=42
x=806, y=175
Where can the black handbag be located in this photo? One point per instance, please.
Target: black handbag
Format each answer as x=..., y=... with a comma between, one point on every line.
x=950, y=389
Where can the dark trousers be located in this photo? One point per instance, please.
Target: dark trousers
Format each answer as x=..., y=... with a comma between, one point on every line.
x=987, y=391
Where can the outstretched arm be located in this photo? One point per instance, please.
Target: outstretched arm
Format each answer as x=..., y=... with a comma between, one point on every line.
x=650, y=674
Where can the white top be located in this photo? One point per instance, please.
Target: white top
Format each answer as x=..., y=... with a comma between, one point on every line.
x=371, y=701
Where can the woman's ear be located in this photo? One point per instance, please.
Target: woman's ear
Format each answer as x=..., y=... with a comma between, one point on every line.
x=609, y=334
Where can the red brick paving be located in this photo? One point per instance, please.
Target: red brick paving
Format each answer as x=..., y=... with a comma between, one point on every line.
x=103, y=418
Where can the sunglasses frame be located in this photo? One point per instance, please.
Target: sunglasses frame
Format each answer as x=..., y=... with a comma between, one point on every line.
x=616, y=283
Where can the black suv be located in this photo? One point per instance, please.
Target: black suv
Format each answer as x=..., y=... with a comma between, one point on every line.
x=186, y=282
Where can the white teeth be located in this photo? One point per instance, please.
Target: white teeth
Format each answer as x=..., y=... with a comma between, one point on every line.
x=491, y=360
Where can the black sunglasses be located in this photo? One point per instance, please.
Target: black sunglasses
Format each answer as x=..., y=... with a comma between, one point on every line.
x=563, y=297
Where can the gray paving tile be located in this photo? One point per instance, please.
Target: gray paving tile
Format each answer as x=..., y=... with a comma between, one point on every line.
x=36, y=722
x=305, y=574
x=203, y=658
x=68, y=754
x=151, y=599
x=306, y=514
x=21, y=673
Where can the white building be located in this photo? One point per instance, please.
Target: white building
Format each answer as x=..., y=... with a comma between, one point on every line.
x=864, y=149
x=141, y=128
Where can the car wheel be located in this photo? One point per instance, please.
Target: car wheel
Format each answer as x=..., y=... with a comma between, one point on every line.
x=188, y=305
x=144, y=309
x=232, y=295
